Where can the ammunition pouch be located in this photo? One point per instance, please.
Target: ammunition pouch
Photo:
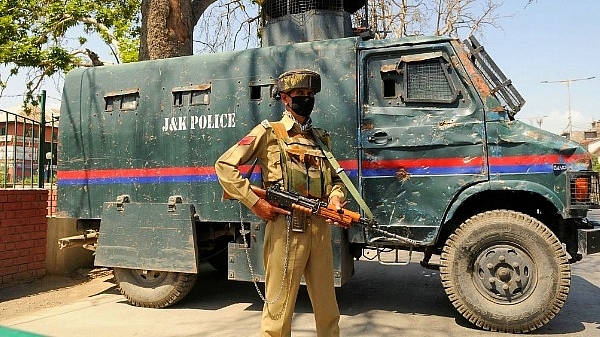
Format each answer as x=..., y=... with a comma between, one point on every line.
x=305, y=168
x=299, y=221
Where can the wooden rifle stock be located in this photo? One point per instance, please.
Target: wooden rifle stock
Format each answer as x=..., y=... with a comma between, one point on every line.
x=343, y=217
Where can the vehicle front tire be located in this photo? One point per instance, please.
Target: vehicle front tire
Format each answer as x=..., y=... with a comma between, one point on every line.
x=505, y=271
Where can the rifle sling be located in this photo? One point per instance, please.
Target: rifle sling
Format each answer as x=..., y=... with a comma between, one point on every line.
x=342, y=174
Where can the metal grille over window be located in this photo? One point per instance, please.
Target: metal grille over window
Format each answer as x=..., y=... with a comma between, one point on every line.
x=428, y=81
x=279, y=8
x=291, y=21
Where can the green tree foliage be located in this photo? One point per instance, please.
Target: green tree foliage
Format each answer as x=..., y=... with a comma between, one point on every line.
x=33, y=36
x=595, y=163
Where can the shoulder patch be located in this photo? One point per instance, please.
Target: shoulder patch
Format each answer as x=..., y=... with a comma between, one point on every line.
x=266, y=124
x=247, y=140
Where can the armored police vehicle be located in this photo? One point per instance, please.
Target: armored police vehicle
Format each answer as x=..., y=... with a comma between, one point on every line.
x=423, y=126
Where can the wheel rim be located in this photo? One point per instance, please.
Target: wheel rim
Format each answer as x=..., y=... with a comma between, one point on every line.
x=149, y=278
x=504, y=274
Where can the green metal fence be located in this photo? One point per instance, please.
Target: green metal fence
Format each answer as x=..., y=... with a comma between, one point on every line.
x=27, y=155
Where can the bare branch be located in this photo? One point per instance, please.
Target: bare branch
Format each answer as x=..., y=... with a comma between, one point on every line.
x=105, y=31
x=436, y=17
x=199, y=7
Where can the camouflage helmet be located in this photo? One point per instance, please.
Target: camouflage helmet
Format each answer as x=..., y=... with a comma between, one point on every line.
x=299, y=79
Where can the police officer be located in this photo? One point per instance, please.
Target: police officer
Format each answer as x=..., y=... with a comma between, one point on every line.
x=295, y=244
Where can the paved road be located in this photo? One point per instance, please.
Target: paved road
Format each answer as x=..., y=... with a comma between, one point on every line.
x=377, y=301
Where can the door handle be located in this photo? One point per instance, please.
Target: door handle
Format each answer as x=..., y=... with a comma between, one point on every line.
x=379, y=137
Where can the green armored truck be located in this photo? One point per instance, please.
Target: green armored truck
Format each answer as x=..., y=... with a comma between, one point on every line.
x=423, y=126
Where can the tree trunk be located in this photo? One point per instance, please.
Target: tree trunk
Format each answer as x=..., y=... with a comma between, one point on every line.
x=167, y=29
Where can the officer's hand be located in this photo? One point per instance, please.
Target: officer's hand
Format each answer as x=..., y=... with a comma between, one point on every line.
x=338, y=205
x=264, y=210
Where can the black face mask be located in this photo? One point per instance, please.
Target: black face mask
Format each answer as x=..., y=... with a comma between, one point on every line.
x=303, y=105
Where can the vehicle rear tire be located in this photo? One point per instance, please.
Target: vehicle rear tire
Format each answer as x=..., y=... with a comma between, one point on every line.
x=505, y=271
x=151, y=288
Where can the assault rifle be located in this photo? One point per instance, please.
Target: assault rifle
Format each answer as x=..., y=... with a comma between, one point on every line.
x=344, y=218
x=293, y=201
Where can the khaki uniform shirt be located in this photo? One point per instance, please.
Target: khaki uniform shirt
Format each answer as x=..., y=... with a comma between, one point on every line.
x=260, y=143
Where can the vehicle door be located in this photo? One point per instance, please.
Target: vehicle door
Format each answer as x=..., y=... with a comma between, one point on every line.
x=421, y=136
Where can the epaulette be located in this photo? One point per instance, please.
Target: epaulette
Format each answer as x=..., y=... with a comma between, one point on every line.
x=266, y=124
x=320, y=133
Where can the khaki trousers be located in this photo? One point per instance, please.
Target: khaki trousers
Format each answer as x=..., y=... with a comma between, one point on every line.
x=309, y=255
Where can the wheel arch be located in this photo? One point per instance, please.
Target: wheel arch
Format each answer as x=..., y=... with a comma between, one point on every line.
x=523, y=196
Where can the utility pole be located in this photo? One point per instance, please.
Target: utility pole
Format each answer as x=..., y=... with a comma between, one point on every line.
x=568, y=83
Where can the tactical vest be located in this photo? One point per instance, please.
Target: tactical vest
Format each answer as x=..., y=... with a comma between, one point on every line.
x=303, y=164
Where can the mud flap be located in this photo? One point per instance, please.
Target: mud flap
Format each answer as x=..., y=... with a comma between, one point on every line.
x=149, y=236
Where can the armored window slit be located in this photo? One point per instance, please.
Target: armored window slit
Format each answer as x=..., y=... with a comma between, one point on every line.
x=255, y=93
x=109, y=104
x=178, y=98
x=129, y=102
x=389, y=88
x=123, y=100
x=191, y=95
x=261, y=90
x=200, y=97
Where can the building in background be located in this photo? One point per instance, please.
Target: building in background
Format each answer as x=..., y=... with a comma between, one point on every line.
x=589, y=138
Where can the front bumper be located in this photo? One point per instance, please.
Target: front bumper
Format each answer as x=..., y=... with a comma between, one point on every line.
x=588, y=240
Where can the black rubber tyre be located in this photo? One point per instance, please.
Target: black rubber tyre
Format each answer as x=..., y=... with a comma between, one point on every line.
x=505, y=271
x=153, y=289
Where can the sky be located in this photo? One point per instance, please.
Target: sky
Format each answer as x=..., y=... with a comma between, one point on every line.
x=546, y=41
x=551, y=40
